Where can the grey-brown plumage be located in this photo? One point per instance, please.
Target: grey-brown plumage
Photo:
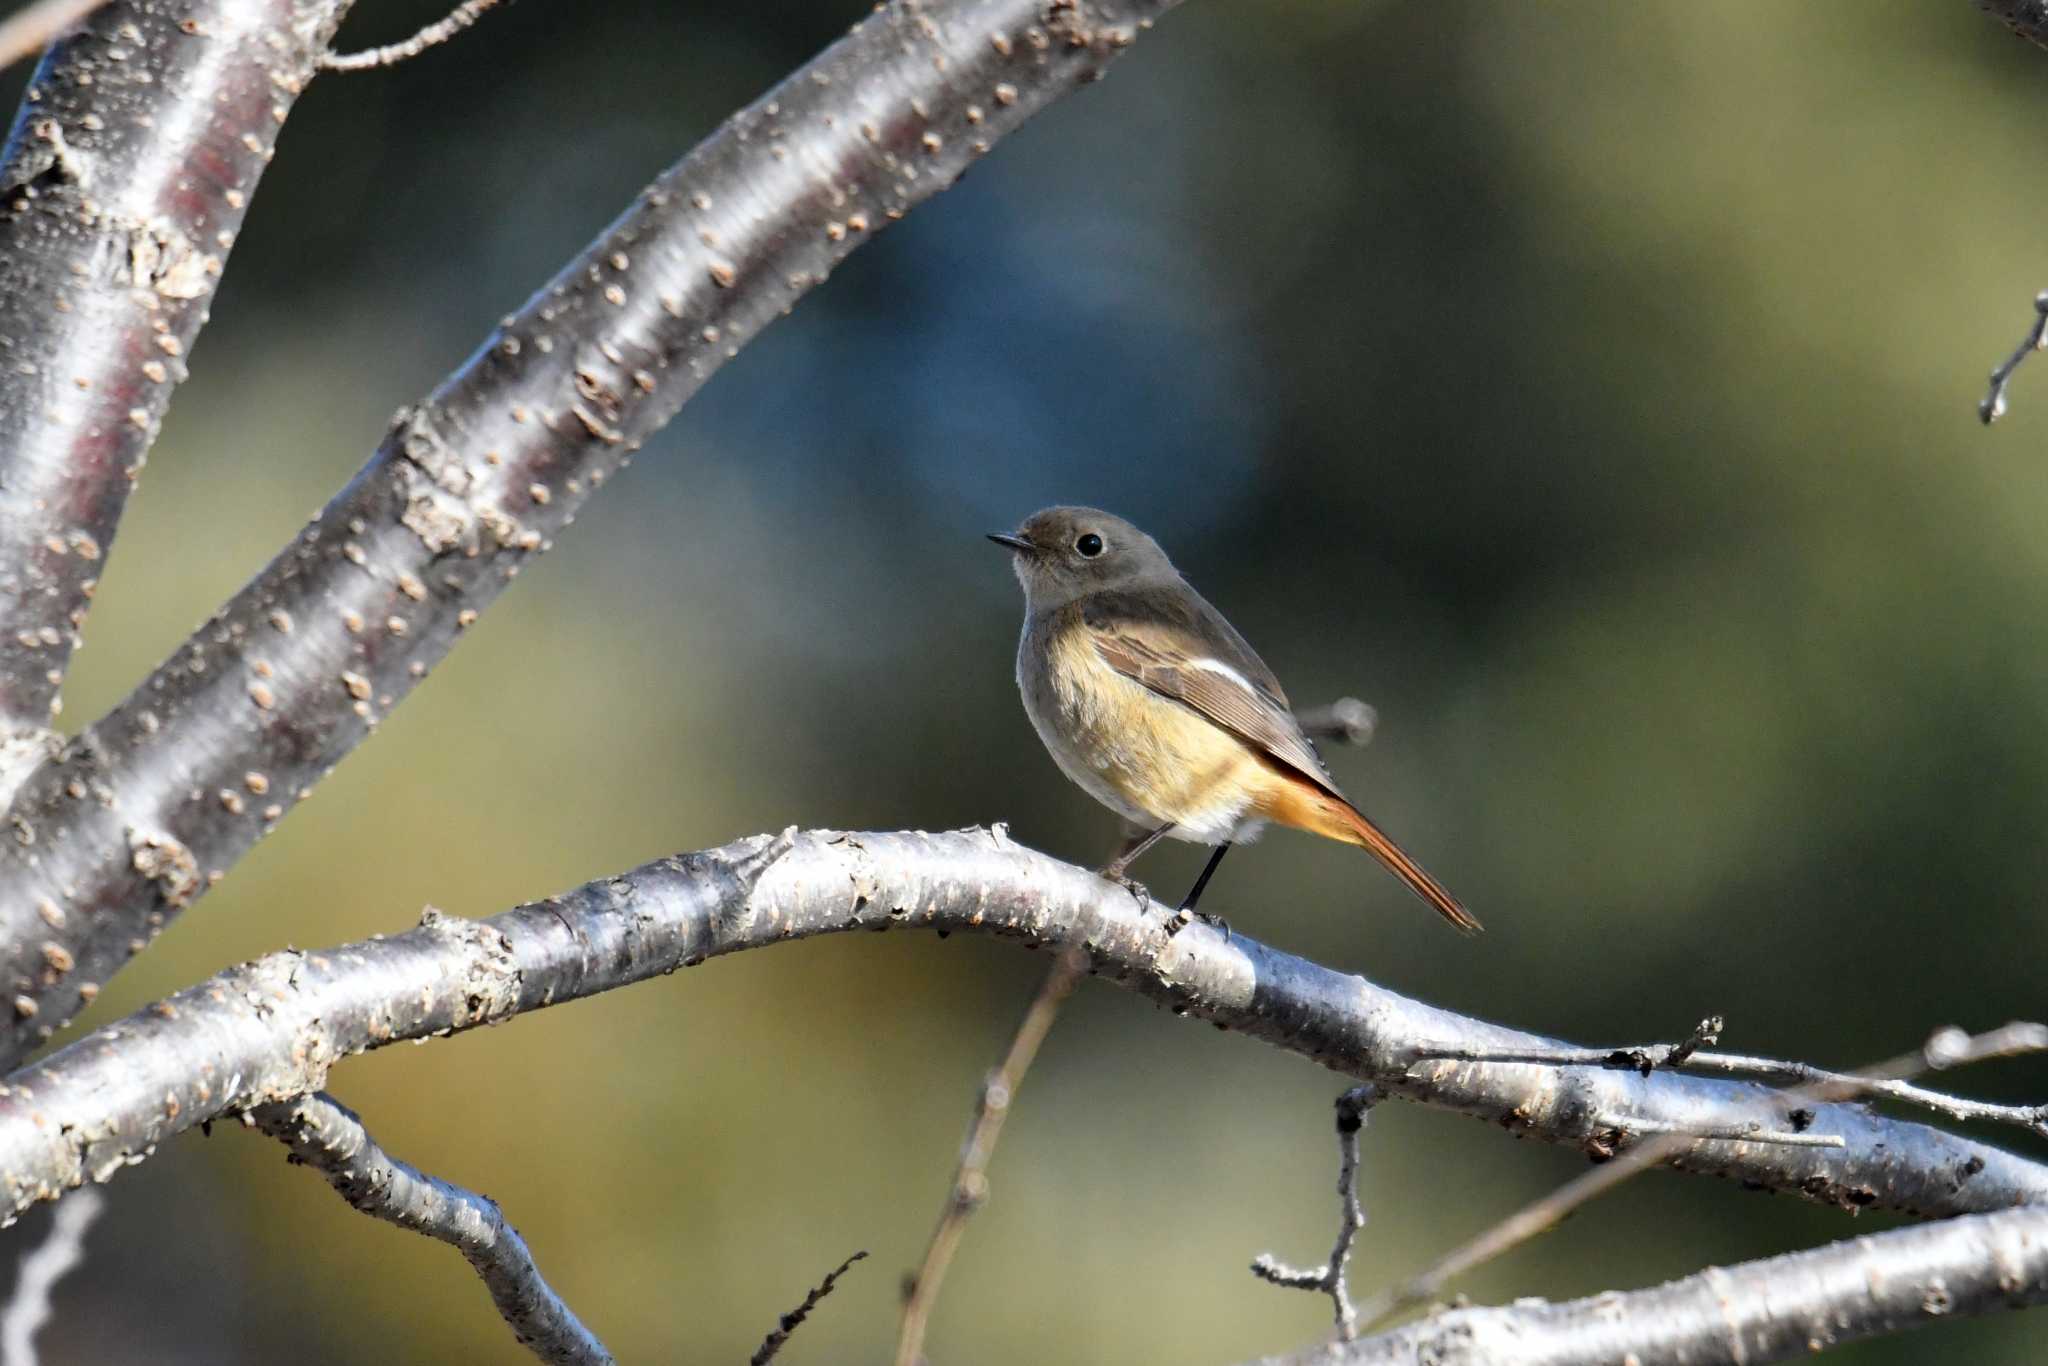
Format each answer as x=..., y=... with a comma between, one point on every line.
x=1154, y=704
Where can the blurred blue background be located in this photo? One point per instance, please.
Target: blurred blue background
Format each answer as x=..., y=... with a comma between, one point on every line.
x=1589, y=387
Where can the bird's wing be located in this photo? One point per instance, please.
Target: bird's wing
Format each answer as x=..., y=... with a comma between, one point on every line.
x=1180, y=647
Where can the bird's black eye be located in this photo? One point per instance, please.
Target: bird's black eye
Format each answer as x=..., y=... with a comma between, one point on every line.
x=1090, y=545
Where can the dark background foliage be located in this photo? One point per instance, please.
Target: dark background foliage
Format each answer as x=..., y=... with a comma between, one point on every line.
x=1590, y=387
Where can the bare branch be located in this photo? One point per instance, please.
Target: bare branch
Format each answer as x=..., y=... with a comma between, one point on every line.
x=271, y=1029
x=433, y=35
x=1329, y=1278
x=1771, y=1310
x=772, y=1344
x=124, y=184
x=970, y=1177
x=1948, y=1048
x=35, y=26
x=147, y=808
x=327, y=1136
x=1992, y=406
x=2027, y=18
x=63, y=1248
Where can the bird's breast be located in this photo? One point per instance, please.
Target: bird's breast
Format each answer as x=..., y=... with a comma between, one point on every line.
x=1146, y=757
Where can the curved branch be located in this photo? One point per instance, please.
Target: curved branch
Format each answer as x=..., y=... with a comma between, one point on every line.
x=272, y=1029
x=153, y=803
x=123, y=186
x=327, y=1136
x=1771, y=1310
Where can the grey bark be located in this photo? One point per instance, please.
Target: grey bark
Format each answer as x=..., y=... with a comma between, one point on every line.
x=273, y=1029
x=122, y=188
x=1771, y=1310
x=2027, y=18
x=327, y=1136
x=149, y=807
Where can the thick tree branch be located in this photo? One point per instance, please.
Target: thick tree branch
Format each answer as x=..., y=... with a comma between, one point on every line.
x=153, y=803
x=327, y=1136
x=1770, y=1310
x=272, y=1029
x=122, y=188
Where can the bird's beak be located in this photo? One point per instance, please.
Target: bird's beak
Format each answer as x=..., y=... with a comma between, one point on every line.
x=1016, y=543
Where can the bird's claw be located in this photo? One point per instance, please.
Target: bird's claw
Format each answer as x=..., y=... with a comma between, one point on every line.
x=1129, y=884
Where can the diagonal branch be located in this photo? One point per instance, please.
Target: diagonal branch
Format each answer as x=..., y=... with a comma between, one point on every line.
x=272, y=1029
x=778, y=1337
x=123, y=186
x=154, y=802
x=1770, y=1310
x=327, y=1136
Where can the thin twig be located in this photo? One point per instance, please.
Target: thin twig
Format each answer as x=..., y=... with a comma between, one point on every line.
x=1992, y=407
x=1644, y=1058
x=34, y=27
x=433, y=35
x=789, y=1323
x=970, y=1178
x=1947, y=1047
x=1347, y=721
x=1885, y=1080
x=325, y=1135
x=63, y=1248
x=1330, y=1278
x=273, y=1027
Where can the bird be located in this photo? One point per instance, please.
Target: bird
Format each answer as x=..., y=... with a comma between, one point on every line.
x=1151, y=702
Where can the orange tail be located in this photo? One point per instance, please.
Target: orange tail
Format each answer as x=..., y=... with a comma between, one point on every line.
x=1309, y=808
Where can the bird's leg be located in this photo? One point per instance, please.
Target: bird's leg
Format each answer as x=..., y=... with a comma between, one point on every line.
x=1128, y=853
x=1187, y=904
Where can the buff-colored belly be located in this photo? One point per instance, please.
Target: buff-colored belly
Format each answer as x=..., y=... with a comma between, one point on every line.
x=1146, y=757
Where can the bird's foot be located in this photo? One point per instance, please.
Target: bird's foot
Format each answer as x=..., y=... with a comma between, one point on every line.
x=1128, y=883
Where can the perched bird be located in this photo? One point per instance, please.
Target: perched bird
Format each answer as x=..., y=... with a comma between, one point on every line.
x=1157, y=707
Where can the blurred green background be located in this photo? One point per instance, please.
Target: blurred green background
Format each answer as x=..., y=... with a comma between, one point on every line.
x=1591, y=387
